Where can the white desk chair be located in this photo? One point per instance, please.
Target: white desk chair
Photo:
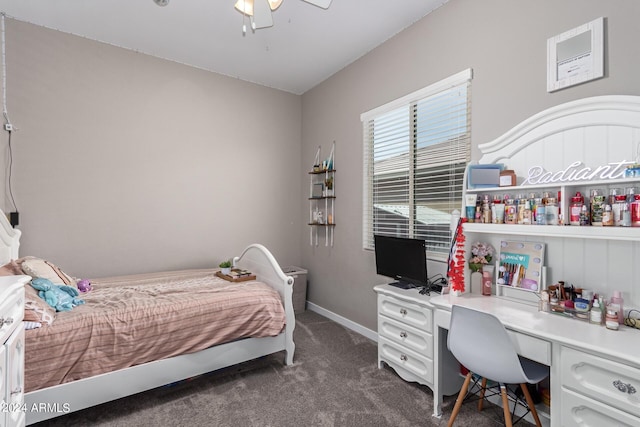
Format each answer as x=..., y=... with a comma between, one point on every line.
x=480, y=342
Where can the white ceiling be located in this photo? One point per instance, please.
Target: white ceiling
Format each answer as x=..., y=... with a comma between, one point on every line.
x=305, y=46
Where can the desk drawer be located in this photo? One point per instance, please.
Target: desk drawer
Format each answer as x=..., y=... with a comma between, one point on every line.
x=406, y=312
x=408, y=336
x=530, y=347
x=581, y=411
x=610, y=382
x=405, y=361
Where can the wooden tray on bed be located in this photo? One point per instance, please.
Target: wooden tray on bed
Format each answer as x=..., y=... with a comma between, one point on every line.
x=234, y=278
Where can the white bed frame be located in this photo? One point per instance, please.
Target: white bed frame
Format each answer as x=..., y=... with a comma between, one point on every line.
x=58, y=400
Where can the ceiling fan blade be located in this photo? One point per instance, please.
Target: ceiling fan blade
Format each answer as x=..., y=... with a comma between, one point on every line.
x=320, y=3
x=262, y=14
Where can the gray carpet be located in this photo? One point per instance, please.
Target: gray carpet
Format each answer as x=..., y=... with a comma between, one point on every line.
x=334, y=381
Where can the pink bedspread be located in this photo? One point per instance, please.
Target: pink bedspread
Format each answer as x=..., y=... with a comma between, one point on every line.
x=130, y=320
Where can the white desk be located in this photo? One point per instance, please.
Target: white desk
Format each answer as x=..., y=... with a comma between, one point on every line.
x=586, y=360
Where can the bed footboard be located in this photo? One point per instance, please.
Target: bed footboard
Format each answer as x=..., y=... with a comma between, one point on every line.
x=257, y=259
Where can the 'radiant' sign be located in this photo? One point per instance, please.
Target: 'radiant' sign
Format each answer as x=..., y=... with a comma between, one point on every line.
x=576, y=171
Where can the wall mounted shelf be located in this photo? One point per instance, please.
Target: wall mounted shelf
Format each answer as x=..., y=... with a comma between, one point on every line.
x=322, y=200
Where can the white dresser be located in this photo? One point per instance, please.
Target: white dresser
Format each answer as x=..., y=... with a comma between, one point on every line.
x=12, y=350
x=405, y=336
x=598, y=391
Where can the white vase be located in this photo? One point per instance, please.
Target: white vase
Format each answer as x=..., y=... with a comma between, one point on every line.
x=226, y=270
x=476, y=282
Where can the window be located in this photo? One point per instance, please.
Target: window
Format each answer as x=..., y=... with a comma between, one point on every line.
x=416, y=150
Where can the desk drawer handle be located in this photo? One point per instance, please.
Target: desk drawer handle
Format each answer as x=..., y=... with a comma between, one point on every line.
x=7, y=321
x=403, y=311
x=403, y=357
x=625, y=388
x=16, y=391
x=403, y=334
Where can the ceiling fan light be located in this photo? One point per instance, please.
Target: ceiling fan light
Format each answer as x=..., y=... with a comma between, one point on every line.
x=245, y=7
x=274, y=4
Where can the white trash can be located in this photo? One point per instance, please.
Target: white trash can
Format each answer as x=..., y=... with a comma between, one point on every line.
x=299, y=287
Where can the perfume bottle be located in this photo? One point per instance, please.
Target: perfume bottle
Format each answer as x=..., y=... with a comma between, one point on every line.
x=486, y=283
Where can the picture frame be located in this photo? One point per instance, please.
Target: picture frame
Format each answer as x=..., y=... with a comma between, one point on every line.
x=576, y=56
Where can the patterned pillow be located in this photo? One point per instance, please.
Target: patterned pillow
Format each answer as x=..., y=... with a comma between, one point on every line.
x=36, y=267
x=35, y=308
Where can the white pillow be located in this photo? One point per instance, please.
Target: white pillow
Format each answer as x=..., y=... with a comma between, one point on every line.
x=36, y=267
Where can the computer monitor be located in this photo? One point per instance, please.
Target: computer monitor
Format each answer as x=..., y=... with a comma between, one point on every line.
x=402, y=259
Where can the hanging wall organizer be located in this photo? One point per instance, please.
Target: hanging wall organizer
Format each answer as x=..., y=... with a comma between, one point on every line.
x=322, y=198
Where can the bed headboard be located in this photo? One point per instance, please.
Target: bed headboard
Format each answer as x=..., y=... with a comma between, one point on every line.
x=9, y=240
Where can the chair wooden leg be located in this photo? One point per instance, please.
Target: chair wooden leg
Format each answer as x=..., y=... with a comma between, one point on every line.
x=482, y=391
x=505, y=406
x=461, y=396
x=532, y=406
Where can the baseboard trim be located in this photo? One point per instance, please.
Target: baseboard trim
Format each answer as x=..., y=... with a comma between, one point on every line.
x=356, y=327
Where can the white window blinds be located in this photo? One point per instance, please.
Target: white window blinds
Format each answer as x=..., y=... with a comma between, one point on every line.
x=415, y=152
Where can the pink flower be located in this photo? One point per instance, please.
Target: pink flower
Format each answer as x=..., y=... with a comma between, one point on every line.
x=482, y=249
x=482, y=253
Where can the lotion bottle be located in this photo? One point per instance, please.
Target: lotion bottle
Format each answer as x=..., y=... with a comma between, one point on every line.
x=618, y=302
x=596, y=313
x=486, y=283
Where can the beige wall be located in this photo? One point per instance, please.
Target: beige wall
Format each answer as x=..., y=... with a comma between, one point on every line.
x=126, y=163
x=504, y=42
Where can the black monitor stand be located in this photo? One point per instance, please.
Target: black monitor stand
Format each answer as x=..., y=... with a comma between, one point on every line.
x=402, y=285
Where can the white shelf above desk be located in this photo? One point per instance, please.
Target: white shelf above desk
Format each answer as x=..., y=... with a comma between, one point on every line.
x=569, y=231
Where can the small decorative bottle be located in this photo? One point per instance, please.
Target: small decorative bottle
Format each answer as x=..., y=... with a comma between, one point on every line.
x=611, y=320
x=486, y=212
x=635, y=211
x=575, y=209
x=527, y=216
x=617, y=304
x=544, y=305
x=486, y=283
x=613, y=192
x=510, y=212
x=596, y=313
x=497, y=211
x=597, y=207
x=625, y=215
x=540, y=215
x=607, y=216
x=522, y=205
x=584, y=216
x=551, y=211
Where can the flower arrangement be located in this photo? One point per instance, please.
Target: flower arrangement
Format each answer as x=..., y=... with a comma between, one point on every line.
x=482, y=253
